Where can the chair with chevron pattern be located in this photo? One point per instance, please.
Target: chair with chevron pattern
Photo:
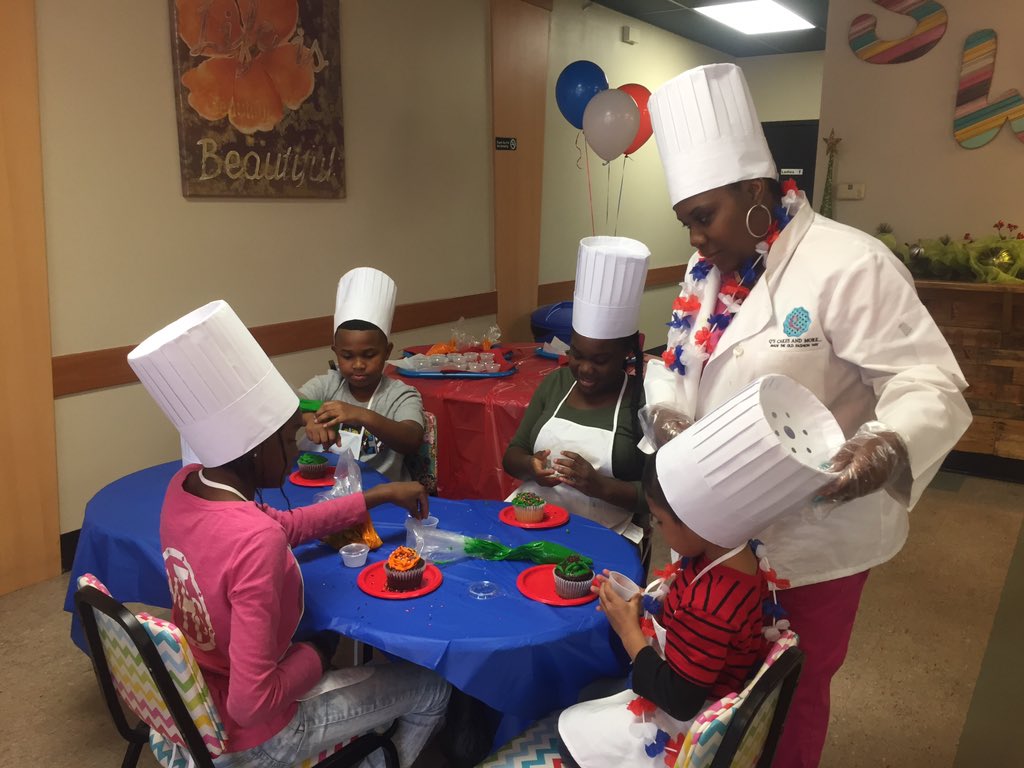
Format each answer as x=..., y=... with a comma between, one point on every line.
x=742, y=729
x=145, y=663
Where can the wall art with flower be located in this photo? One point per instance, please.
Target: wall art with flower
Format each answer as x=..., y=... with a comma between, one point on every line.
x=258, y=96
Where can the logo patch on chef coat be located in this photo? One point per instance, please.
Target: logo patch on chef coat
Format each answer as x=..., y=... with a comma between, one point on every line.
x=798, y=322
x=795, y=327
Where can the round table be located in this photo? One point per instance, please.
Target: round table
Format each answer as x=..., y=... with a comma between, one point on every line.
x=521, y=657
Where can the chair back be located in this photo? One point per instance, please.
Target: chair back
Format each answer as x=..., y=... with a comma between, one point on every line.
x=423, y=463
x=147, y=663
x=742, y=729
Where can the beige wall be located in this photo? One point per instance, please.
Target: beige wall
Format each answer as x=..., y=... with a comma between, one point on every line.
x=127, y=253
x=594, y=34
x=896, y=122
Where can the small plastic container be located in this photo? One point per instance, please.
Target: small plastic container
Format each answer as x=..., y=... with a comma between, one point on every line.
x=456, y=358
x=624, y=586
x=354, y=555
x=492, y=367
x=459, y=366
x=412, y=525
x=472, y=357
x=486, y=357
x=419, y=362
x=484, y=590
x=475, y=367
x=438, y=361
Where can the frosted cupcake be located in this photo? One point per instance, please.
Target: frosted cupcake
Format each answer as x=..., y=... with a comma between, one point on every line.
x=312, y=467
x=404, y=570
x=573, y=577
x=529, y=507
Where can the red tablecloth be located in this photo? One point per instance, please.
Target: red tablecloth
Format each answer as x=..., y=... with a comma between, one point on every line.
x=476, y=419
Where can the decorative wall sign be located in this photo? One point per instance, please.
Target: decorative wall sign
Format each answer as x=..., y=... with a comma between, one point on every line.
x=978, y=118
x=931, y=18
x=258, y=96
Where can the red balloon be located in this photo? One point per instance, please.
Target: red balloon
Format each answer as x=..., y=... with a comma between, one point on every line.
x=640, y=95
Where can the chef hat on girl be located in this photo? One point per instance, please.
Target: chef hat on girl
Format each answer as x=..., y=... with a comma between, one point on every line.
x=610, y=277
x=365, y=294
x=215, y=383
x=707, y=131
x=753, y=459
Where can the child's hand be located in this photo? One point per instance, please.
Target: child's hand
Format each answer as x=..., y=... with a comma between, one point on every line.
x=541, y=474
x=320, y=435
x=334, y=413
x=622, y=615
x=579, y=473
x=599, y=581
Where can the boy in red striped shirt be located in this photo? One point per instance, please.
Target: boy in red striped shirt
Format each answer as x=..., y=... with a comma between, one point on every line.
x=709, y=627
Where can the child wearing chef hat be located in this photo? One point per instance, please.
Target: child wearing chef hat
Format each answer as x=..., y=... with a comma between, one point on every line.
x=375, y=417
x=694, y=635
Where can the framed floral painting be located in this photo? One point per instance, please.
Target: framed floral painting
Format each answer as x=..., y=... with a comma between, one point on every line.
x=257, y=87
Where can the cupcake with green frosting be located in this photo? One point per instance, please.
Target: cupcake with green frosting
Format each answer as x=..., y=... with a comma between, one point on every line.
x=312, y=467
x=529, y=507
x=573, y=577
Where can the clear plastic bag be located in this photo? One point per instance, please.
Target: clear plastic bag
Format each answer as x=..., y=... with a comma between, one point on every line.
x=660, y=423
x=348, y=479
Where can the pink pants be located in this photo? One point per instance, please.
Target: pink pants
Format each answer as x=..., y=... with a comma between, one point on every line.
x=822, y=615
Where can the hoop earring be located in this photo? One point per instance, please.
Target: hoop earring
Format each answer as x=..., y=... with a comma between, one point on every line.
x=767, y=229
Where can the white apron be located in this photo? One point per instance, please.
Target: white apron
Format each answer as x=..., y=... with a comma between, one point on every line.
x=595, y=445
x=603, y=733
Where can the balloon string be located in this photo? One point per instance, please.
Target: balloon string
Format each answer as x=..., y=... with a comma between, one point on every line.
x=607, y=194
x=579, y=152
x=618, y=208
x=590, y=191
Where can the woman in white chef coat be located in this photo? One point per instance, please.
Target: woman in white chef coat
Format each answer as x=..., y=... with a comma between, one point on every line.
x=776, y=288
x=577, y=443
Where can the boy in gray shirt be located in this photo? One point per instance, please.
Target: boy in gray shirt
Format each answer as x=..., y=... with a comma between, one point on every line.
x=378, y=418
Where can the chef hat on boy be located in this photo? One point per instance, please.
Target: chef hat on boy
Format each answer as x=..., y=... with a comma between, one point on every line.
x=365, y=294
x=214, y=382
x=610, y=277
x=753, y=459
x=707, y=131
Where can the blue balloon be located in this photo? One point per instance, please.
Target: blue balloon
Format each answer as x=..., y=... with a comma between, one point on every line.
x=576, y=86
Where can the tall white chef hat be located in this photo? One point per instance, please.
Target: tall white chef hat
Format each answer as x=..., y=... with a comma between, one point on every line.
x=753, y=459
x=610, y=277
x=214, y=382
x=365, y=294
x=707, y=131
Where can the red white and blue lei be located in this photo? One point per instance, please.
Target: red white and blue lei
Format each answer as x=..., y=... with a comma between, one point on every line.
x=689, y=346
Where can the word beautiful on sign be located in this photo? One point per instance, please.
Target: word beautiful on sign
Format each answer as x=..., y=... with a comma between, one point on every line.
x=295, y=165
x=978, y=117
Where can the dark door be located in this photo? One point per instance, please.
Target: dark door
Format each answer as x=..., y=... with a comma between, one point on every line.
x=794, y=145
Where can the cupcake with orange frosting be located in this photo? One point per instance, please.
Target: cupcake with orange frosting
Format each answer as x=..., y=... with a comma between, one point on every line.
x=404, y=569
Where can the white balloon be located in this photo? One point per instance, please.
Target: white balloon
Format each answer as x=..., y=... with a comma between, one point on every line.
x=610, y=123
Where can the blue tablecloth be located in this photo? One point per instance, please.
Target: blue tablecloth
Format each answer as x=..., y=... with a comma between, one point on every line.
x=519, y=656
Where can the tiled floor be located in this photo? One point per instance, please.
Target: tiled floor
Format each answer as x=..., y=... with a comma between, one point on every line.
x=901, y=700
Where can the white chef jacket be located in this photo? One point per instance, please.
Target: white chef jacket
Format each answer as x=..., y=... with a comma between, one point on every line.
x=859, y=338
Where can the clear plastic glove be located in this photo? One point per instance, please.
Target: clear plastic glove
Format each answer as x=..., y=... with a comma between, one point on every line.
x=875, y=457
x=660, y=423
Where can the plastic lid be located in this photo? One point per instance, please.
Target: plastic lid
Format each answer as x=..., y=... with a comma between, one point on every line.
x=484, y=590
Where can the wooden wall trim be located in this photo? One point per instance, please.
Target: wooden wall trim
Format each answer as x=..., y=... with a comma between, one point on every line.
x=658, y=277
x=97, y=369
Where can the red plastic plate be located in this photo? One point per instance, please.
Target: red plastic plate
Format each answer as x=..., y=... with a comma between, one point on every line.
x=538, y=584
x=373, y=581
x=554, y=516
x=323, y=482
